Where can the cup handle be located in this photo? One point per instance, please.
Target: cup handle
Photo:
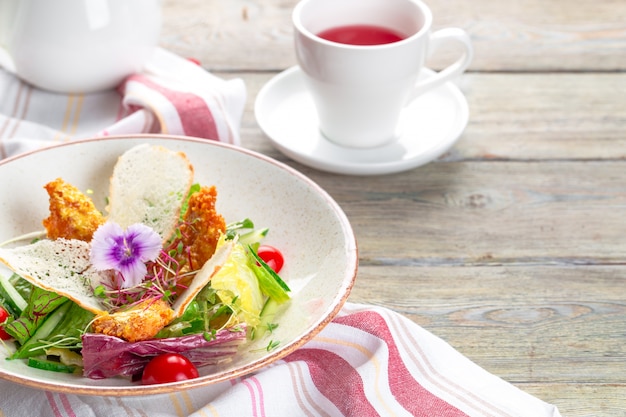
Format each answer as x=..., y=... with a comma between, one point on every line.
x=455, y=69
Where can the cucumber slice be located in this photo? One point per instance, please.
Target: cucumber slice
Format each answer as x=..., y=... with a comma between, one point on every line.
x=14, y=301
x=48, y=365
x=253, y=237
x=268, y=316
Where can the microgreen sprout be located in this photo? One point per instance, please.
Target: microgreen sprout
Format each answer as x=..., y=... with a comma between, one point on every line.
x=34, y=236
x=234, y=229
x=209, y=335
x=69, y=342
x=273, y=344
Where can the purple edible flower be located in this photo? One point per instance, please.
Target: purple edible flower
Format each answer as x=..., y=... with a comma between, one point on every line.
x=125, y=251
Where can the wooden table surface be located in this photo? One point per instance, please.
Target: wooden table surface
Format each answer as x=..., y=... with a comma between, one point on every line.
x=511, y=246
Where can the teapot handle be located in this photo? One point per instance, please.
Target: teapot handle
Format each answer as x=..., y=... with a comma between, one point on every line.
x=8, y=9
x=6, y=61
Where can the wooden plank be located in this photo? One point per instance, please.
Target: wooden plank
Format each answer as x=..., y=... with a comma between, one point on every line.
x=489, y=213
x=537, y=35
x=531, y=35
x=582, y=400
x=518, y=117
x=550, y=116
x=471, y=214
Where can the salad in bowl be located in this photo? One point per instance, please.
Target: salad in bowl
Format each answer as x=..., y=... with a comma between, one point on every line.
x=158, y=288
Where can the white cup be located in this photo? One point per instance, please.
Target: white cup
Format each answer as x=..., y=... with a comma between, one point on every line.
x=360, y=91
x=77, y=46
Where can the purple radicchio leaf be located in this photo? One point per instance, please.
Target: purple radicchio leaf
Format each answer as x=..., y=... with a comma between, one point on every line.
x=108, y=356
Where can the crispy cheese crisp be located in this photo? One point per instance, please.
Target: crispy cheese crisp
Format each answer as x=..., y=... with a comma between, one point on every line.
x=73, y=215
x=61, y=266
x=141, y=322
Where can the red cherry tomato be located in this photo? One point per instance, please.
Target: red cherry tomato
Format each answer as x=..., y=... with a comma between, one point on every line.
x=3, y=317
x=168, y=367
x=272, y=257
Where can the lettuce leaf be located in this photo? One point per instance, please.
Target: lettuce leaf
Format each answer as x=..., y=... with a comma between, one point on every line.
x=237, y=286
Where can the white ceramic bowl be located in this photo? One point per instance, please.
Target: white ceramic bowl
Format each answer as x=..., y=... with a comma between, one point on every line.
x=305, y=223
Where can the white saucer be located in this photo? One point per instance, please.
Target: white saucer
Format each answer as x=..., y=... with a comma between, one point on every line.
x=430, y=126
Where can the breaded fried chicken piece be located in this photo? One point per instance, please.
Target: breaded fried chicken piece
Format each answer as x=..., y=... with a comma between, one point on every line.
x=202, y=227
x=141, y=322
x=72, y=214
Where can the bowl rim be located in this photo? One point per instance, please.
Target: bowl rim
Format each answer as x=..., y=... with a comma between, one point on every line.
x=316, y=327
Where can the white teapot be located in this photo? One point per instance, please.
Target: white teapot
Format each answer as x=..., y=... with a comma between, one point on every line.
x=77, y=46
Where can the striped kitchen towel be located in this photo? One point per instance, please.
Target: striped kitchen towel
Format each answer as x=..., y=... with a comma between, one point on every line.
x=369, y=361
x=172, y=96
